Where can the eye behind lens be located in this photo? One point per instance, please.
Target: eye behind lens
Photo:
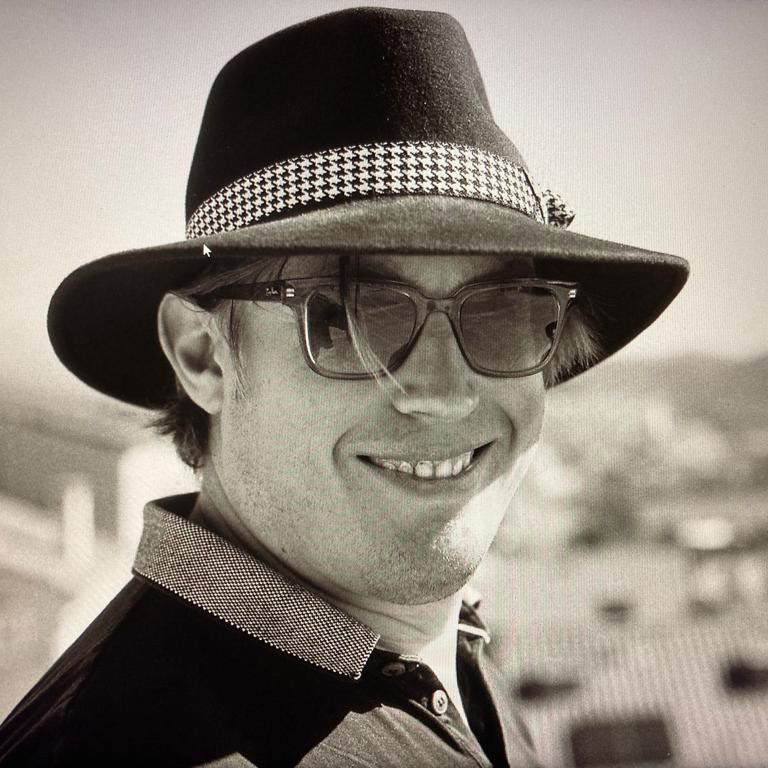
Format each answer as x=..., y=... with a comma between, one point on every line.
x=509, y=330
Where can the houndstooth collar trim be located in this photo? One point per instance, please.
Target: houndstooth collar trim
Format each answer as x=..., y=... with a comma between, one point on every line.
x=367, y=170
x=227, y=582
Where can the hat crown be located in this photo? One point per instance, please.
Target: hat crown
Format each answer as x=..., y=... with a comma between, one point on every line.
x=358, y=76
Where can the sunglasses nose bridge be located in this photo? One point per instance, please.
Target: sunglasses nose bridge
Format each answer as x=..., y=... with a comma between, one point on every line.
x=443, y=306
x=430, y=307
x=440, y=305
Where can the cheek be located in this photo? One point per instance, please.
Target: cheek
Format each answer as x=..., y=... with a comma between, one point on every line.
x=282, y=415
x=510, y=481
x=527, y=415
x=259, y=412
x=524, y=406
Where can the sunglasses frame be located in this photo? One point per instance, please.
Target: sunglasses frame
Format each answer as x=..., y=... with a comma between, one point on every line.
x=295, y=293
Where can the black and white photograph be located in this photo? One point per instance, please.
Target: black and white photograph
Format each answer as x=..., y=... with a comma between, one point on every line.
x=385, y=385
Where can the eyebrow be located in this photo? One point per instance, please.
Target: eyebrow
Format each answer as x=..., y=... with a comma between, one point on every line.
x=506, y=272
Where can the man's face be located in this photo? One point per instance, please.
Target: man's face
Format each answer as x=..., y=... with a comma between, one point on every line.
x=292, y=453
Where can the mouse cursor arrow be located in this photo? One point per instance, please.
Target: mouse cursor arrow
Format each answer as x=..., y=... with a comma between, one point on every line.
x=206, y=251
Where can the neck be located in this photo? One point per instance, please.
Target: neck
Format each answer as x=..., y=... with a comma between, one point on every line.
x=427, y=631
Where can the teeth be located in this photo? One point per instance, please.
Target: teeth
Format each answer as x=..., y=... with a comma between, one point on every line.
x=424, y=469
x=427, y=468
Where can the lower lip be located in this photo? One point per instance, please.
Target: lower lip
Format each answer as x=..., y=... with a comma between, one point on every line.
x=464, y=481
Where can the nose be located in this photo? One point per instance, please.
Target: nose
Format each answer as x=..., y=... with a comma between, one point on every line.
x=435, y=380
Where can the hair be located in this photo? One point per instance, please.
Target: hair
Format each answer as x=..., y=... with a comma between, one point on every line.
x=188, y=424
x=180, y=418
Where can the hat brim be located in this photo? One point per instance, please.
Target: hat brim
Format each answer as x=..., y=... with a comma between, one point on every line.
x=102, y=319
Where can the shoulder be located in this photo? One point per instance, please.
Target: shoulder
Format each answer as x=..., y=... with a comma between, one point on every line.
x=32, y=733
x=156, y=676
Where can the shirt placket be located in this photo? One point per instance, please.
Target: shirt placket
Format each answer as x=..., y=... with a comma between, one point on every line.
x=420, y=692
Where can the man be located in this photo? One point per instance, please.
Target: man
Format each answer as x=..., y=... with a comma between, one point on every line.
x=353, y=347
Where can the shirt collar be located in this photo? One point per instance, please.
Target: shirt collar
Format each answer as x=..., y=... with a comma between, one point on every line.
x=229, y=583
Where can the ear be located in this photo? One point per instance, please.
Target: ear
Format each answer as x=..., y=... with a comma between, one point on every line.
x=189, y=341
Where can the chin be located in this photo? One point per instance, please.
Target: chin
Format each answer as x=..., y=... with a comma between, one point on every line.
x=416, y=575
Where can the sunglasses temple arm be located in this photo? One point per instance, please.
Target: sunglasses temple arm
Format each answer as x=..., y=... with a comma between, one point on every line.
x=273, y=291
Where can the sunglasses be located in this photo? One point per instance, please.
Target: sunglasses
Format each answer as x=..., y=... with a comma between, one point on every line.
x=354, y=329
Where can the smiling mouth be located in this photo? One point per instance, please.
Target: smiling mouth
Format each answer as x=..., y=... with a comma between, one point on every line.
x=429, y=469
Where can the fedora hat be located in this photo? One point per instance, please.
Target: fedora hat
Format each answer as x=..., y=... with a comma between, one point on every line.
x=362, y=131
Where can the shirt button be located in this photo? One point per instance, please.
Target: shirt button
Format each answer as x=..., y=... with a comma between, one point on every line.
x=439, y=702
x=393, y=669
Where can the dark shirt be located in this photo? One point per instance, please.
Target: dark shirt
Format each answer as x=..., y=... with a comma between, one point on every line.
x=209, y=657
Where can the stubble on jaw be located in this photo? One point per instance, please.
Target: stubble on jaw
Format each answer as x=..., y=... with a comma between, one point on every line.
x=425, y=561
x=426, y=573
x=435, y=560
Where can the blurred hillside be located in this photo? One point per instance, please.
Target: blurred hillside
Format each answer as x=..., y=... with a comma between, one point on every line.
x=625, y=442
x=730, y=392
x=733, y=394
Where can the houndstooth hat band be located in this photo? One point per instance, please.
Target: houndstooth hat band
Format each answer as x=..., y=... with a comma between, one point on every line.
x=365, y=170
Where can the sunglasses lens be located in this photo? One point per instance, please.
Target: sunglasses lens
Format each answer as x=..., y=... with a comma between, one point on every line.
x=362, y=333
x=505, y=330
x=509, y=329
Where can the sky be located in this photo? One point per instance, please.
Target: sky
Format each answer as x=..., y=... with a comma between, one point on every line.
x=649, y=118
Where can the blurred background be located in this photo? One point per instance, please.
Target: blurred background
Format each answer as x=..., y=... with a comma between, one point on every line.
x=627, y=592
